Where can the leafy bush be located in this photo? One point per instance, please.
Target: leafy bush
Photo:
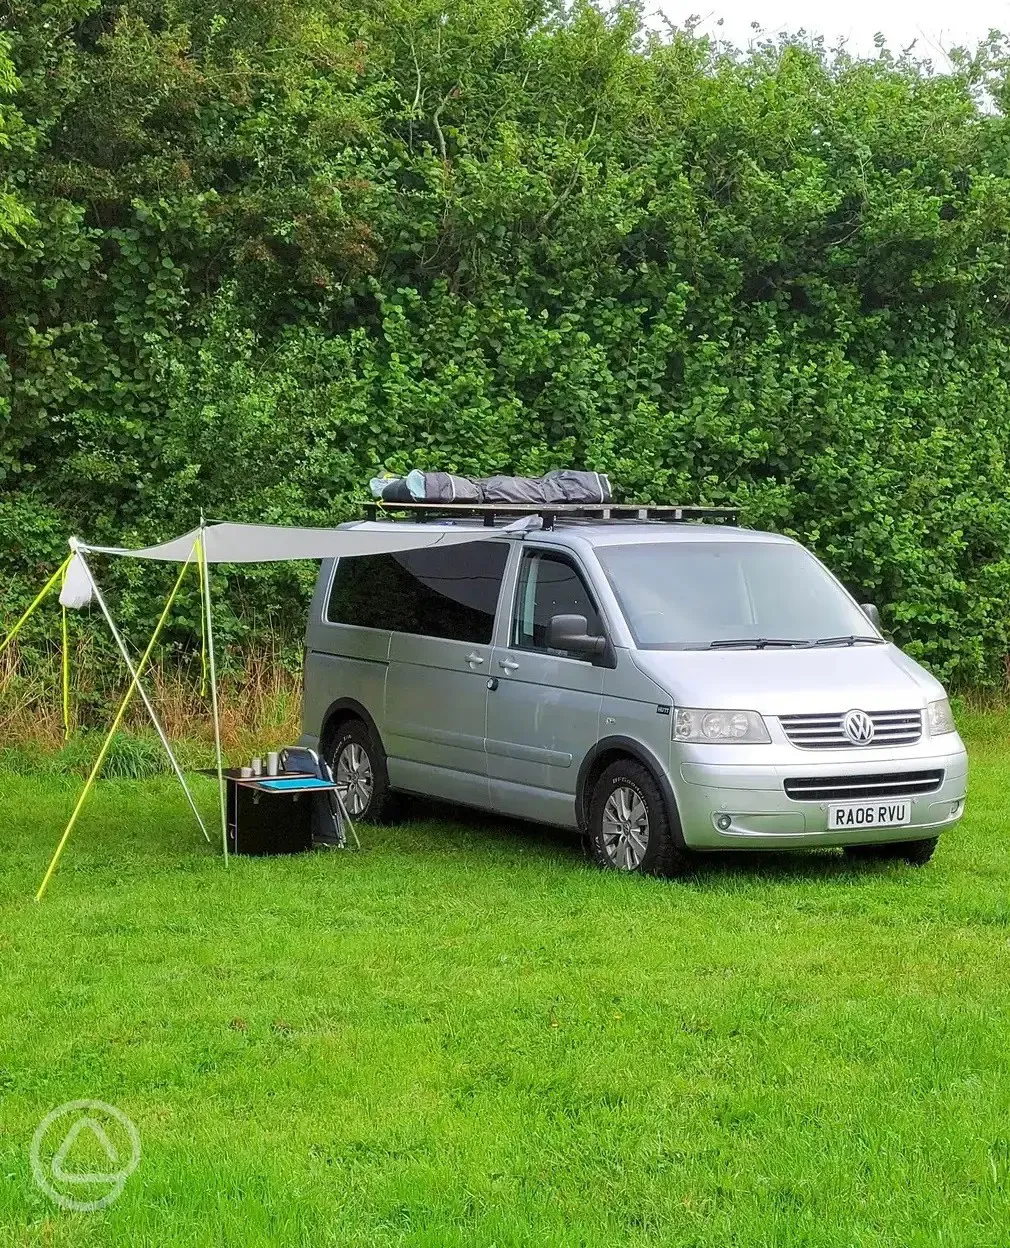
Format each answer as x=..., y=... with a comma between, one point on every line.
x=309, y=243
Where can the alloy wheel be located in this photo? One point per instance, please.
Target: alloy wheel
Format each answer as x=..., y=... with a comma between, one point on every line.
x=354, y=778
x=625, y=829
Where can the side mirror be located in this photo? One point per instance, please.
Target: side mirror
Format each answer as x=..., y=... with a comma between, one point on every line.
x=872, y=614
x=570, y=632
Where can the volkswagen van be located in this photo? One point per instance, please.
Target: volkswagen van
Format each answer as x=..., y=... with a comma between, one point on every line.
x=664, y=687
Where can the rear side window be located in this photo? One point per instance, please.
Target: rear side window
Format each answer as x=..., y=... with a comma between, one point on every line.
x=549, y=584
x=449, y=592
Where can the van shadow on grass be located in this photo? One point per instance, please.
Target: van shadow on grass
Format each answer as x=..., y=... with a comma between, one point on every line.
x=471, y=830
x=782, y=866
x=475, y=831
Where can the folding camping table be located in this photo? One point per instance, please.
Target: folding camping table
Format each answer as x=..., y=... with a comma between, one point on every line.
x=272, y=814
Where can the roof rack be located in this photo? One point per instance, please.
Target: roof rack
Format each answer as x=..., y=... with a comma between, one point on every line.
x=552, y=513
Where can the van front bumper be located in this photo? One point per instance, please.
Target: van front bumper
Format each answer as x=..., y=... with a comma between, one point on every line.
x=752, y=796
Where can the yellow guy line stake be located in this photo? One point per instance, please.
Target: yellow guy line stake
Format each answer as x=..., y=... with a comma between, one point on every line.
x=113, y=730
x=27, y=615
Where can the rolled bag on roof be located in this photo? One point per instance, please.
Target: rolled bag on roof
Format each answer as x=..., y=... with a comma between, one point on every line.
x=567, y=485
x=430, y=487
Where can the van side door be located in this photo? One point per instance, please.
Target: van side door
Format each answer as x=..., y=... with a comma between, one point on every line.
x=346, y=643
x=544, y=705
x=441, y=613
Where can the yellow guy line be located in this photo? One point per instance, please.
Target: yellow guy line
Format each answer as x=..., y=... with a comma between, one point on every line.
x=27, y=615
x=114, y=729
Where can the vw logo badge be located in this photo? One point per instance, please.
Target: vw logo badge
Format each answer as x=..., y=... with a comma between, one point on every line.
x=858, y=727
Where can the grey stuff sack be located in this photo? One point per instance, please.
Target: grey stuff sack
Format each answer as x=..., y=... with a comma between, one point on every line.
x=430, y=487
x=442, y=487
x=572, y=486
x=527, y=490
x=563, y=486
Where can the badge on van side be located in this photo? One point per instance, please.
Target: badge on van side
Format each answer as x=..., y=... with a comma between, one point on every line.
x=662, y=709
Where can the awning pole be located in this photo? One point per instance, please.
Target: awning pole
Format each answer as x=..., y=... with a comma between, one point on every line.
x=205, y=576
x=143, y=692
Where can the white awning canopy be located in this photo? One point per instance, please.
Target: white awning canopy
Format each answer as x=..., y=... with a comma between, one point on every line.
x=228, y=543
x=267, y=543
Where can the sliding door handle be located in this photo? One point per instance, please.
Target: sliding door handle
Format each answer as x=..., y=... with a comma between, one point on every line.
x=508, y=665
x=474, y=659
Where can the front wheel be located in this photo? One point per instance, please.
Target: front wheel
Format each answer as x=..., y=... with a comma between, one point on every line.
x=915, y=853
x=358, y=764
x=629, y=825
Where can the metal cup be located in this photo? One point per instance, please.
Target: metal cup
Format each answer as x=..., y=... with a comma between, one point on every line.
x=246, y=773
x=273, y=762
x=257, y=766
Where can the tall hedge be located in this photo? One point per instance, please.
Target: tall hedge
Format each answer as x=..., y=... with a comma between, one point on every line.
x=252, y=251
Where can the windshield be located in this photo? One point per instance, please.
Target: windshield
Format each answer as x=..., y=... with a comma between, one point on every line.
x=700, y=595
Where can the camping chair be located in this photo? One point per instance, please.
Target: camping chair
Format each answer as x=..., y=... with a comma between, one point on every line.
x=299, y=758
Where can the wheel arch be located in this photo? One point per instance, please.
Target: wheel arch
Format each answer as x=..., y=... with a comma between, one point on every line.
x=610, y=750
x=338, y=713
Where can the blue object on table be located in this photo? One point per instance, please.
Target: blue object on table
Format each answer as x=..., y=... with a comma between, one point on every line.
x=296, y=783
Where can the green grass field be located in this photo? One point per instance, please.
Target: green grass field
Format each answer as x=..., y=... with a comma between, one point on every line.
x=464, y=1035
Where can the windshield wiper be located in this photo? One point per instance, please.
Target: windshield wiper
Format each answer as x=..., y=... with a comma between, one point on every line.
x=755, y=643
x=850, y=640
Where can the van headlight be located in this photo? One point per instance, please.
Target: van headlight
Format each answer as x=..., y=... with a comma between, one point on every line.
x=940, y=718
x=694, y=724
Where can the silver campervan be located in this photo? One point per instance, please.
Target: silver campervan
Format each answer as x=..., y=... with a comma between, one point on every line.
x=663, y=686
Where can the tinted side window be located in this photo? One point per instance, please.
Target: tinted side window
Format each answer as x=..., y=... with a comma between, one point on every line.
x=362, y=590
x=450, y=592
x=549, y=585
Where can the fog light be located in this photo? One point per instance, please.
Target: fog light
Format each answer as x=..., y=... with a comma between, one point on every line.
x=954, y=808
x=723, y=822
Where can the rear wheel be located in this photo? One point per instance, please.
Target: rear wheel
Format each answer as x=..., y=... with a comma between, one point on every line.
x=915, y=853
x=358, y=764
x=629, y=825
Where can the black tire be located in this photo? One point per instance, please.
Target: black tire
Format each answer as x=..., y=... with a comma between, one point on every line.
x=373, y=802
x=915, y=853
x=664, y=851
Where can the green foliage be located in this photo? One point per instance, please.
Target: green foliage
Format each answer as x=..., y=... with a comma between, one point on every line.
x=253, y=252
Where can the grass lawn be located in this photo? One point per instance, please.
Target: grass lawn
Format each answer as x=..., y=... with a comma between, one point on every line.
x=466, y=1036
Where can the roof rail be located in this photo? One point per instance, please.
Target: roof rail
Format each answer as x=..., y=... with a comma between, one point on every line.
x=551, y=513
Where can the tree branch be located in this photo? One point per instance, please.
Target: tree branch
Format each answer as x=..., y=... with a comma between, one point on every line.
x=434, y=121
x=417, y=69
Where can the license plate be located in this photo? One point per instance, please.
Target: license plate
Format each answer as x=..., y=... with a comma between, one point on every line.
x=869, y=815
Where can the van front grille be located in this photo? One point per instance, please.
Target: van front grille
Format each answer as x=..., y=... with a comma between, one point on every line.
x=825, y=732
x=859, y=788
